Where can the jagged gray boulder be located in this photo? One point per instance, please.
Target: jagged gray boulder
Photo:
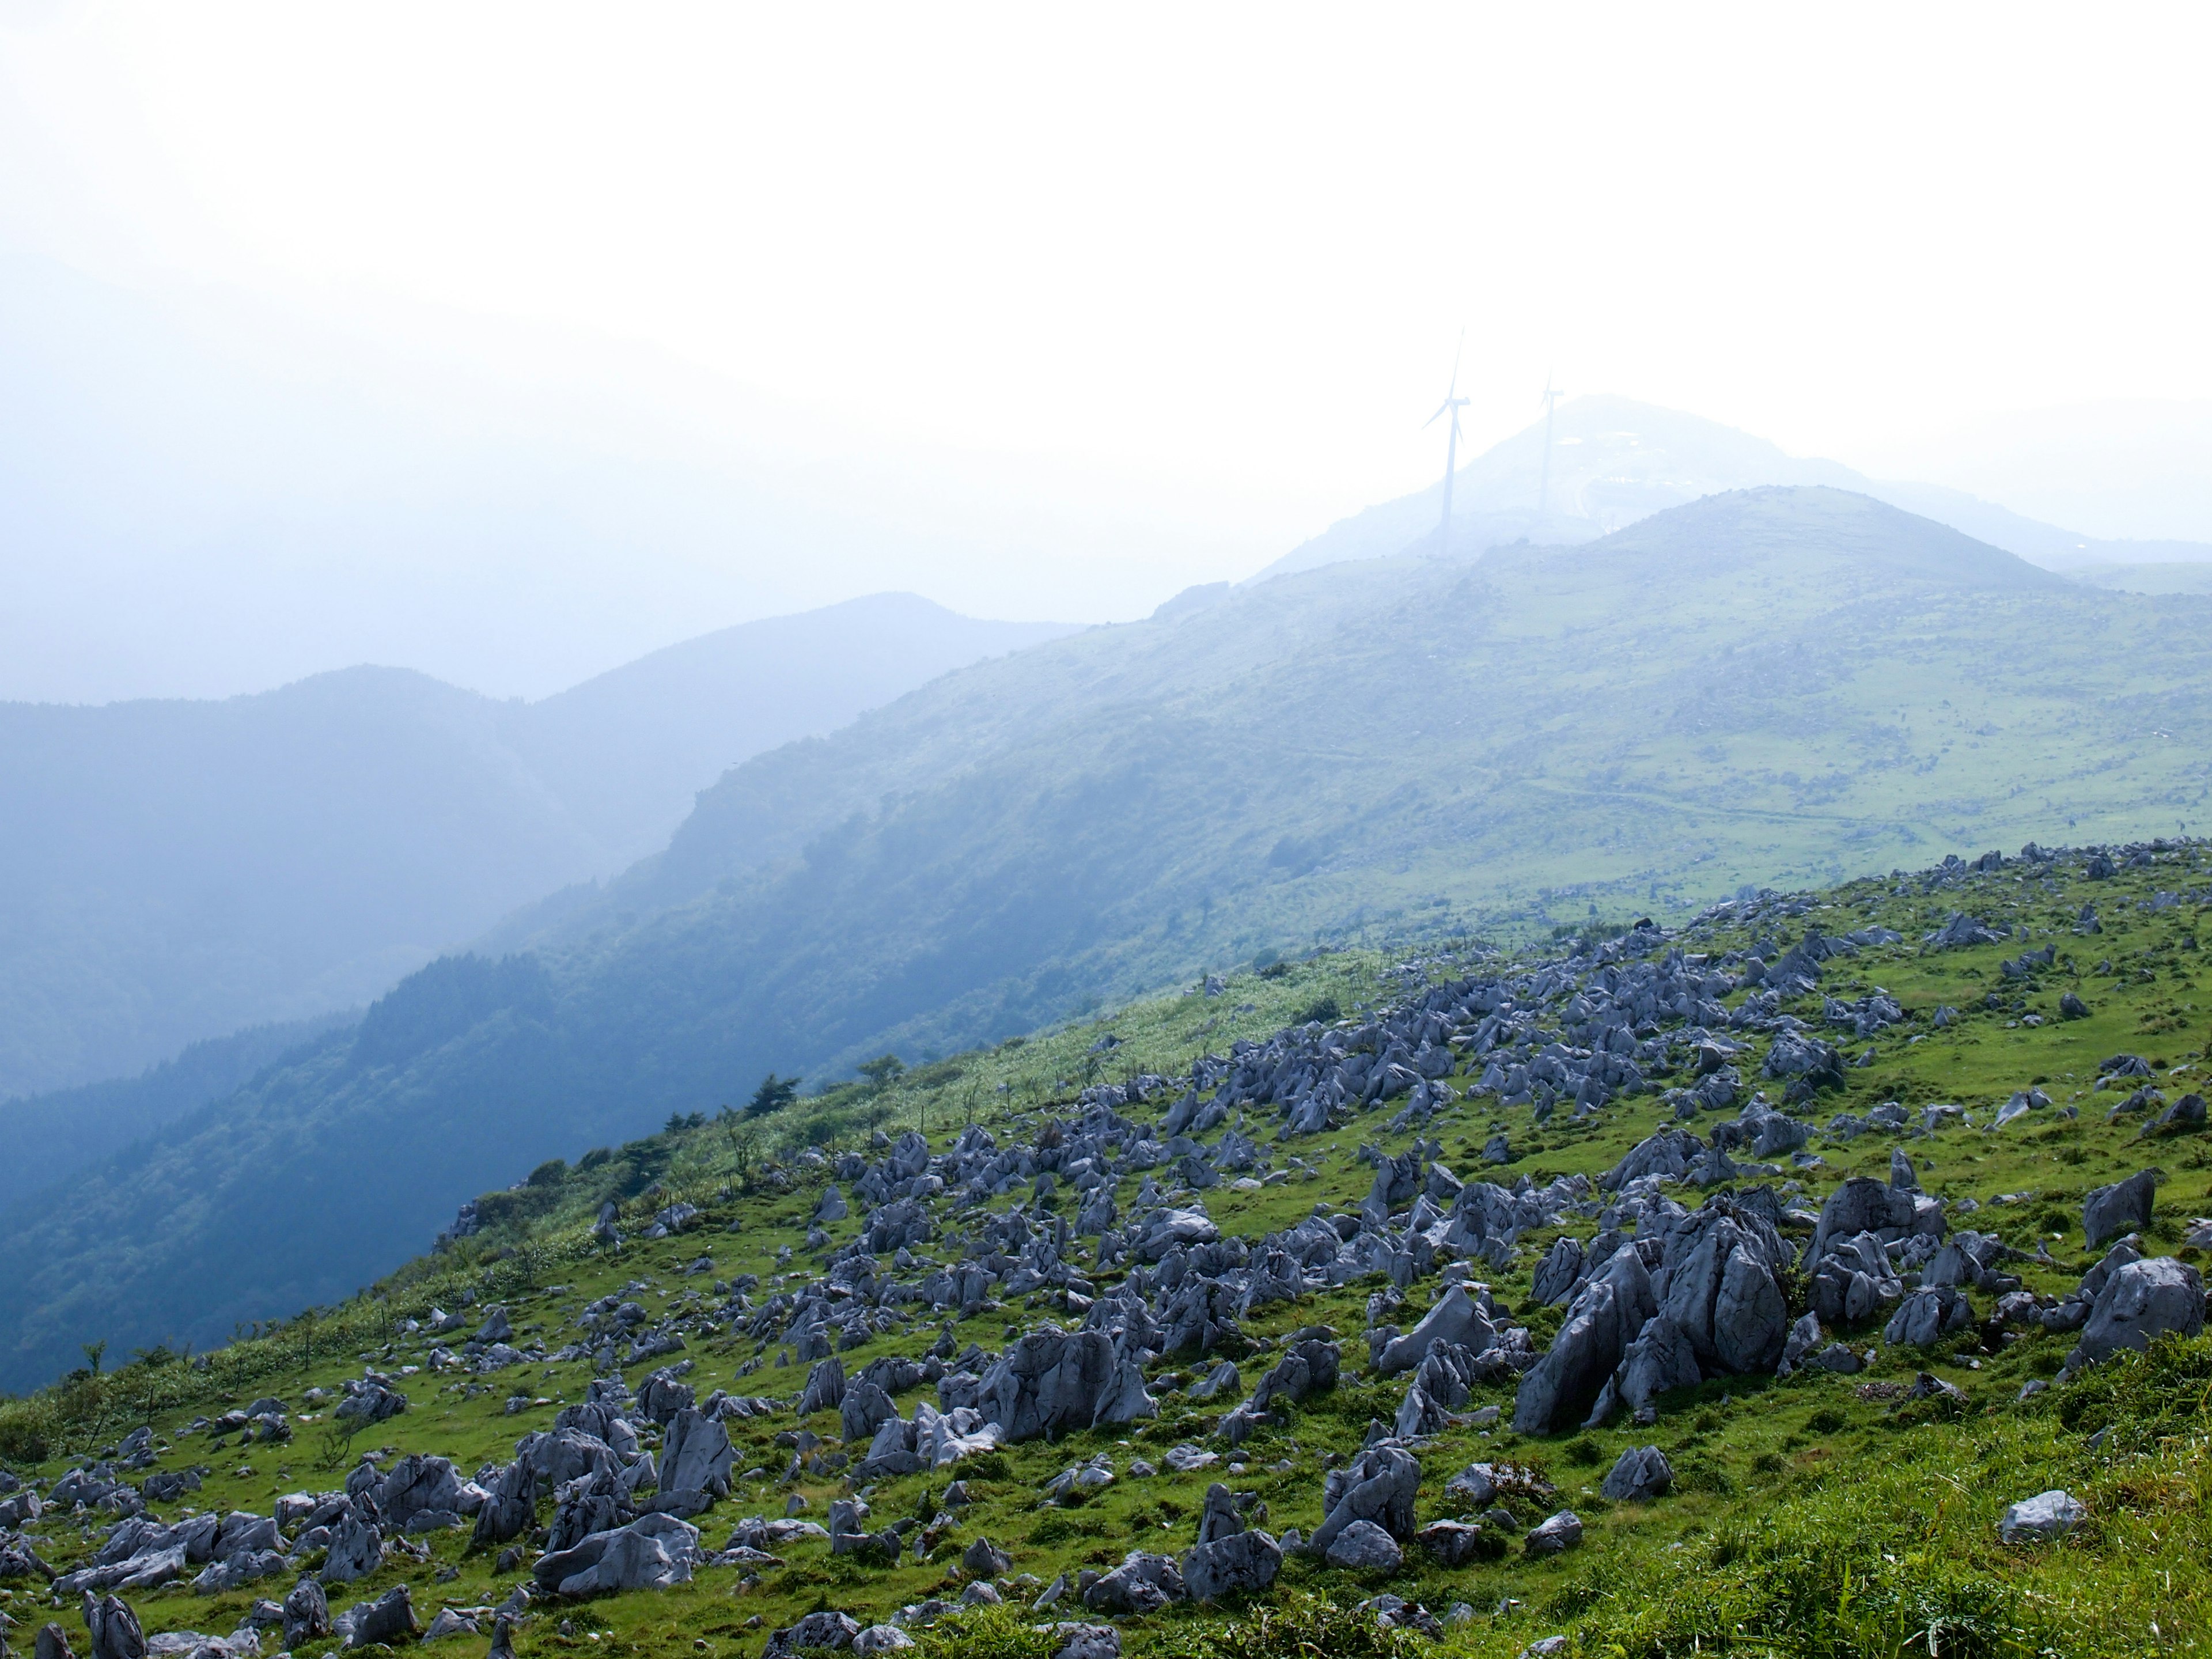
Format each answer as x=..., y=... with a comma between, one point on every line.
x=1048, y=1384
x=508, y=1508
x=386, y=1621
x=2123, y=1207
x=817, y=1630
x=825, y=1387
x=695, y=1456
x=1604, y=1318
x=984, y=1560
x=1228, y=1558
x=1559, y=1532
x=1641, y=1474
x=1142, y=1583
x=418, y=1489
x=1454, y=1319
x=2139, y=1301
x=357, y=1549
x=650, y=1553
x=306, y=1614
x=113, y=1628
x=1378, y=1485
x=864, y=1409
x=1363, y=1547
x=1927, y=1315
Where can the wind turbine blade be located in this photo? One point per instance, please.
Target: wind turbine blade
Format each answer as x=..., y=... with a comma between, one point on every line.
x=1438, y=416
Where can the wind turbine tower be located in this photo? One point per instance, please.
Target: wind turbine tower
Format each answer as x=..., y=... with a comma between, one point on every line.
x=1551, y=395
x=1452, y=404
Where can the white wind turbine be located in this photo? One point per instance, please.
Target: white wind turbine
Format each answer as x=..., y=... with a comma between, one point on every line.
x=1452, y=404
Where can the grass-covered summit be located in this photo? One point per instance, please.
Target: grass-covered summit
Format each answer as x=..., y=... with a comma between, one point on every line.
x=1830, y=1511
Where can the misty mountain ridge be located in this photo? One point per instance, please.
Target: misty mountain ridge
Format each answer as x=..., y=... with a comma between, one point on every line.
x=177, y=869
x=1788, y=684
x=1615, y=461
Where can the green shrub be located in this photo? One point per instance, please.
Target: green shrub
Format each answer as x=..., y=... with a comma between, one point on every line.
x=1304, y=1625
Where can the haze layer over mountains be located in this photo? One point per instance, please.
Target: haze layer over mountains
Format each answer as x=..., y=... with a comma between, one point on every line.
x=1787, y=683
x=179, y=870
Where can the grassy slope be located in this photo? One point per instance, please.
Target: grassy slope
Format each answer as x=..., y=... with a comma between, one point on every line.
x=1808, y=1518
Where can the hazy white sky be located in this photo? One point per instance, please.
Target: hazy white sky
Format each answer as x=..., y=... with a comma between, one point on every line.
x=1217, y=255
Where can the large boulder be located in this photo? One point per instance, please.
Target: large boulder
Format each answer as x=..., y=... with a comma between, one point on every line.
x=864, y=1409
x=1926, y=1316
x=1604, y=1318
x=833, y=1630
x=509, y=1508
x=1363, y=1546
x=306, y=1615
x=1454, y=1319
x=825, y=1387
x=1310, y=1365
x=1864, y=1204
x=357, y=1549
x=2142, y=1300
x=1642, y=1473
x=651, y=1552
x=2123, y=1207
x=1142, y=1583
x=113, y=1629
x=1229, y=1559
x=387, y=1621
x=1049, y=1384
x=419, y=1492
x=1377, y=1485
x=695, y=1456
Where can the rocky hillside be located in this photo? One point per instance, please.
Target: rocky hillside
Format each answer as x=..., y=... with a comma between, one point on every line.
x=1819, y=1275
x=1785, y=686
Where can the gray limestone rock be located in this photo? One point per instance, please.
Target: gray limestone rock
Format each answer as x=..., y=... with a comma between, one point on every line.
x=1559, y=1532
x=825, y=1387
x=984, y=1560
x=836, y=1631
x=509, y=1507
x=1363, y=1546
x=1142, y=1583
x=695, y=1456
x=1228, y=1559
x=306, y=1614
x=651, y=1551
x=357, y=1549
x=113, y=1629
x=2123, y=1207
x=1086, y=1642
x=386, y=1621
x=2139, y=1301
x=1377, y=1485
x=1927, y=1315
x=2040, y=1519
x=1605, y=1317
x=1641, y=1474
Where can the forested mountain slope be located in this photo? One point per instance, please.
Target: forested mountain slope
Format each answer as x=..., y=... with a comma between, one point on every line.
x=172, y=870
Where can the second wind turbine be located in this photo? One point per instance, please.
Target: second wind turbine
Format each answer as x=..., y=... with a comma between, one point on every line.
x=1452, y=404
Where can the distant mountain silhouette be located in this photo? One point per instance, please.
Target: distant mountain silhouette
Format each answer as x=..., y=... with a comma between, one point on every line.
x=176, y=870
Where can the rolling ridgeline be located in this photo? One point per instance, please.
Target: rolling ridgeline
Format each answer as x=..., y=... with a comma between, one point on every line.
x=1729, y=1288
x=1778, y=684
x=175, y=868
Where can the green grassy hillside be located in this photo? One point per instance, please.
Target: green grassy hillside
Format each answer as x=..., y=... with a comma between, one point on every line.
x=1821, y=1514
x=1789, y=686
